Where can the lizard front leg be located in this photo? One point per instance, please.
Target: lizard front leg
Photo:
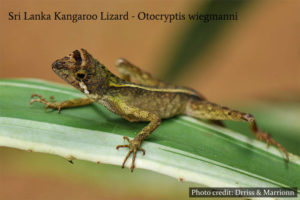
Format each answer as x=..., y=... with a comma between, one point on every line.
x=135, y=144
x=207, y=110
x=60, y=105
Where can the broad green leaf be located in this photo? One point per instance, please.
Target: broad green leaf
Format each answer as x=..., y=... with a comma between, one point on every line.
x=181, y=147
x=281, y=120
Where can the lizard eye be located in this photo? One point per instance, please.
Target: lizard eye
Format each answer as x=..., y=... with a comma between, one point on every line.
x=80, y=75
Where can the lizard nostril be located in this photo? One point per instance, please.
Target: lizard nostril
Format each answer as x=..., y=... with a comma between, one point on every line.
x=56, y=65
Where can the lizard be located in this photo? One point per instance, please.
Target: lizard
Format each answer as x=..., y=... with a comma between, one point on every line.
x=147, y=99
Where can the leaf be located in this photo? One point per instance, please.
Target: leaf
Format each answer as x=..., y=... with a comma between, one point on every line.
x=199, y=37
x=281, y=120
x=181, y=147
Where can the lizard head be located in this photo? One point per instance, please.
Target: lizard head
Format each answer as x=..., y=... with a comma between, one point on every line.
x=78, y=69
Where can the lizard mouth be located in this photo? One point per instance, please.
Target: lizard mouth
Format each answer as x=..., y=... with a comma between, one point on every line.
x=59, y=68
x=64, y=72
x=57, y=65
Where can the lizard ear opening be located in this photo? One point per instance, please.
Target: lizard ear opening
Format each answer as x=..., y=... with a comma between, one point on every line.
x=77, y=57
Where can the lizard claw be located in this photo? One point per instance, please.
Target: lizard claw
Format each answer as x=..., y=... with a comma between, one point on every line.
x=121, y=146
x=48, y=104
x=133, y=146
x=126, y=138
x=269, y=140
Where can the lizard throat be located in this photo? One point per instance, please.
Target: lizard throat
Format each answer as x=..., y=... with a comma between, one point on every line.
x=83, y=86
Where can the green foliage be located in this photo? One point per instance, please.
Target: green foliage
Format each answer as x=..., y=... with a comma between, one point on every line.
x=181, y=147
x=198, y=37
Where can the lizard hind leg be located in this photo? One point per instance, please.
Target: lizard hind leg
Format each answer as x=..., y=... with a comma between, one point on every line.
x=130, y=71
x=202, y=109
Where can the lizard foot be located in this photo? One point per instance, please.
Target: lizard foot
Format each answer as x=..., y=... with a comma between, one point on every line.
x=269, y=140
x=133, y=146
x=52, y=104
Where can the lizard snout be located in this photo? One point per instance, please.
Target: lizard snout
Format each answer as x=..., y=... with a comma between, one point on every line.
x=57, y=65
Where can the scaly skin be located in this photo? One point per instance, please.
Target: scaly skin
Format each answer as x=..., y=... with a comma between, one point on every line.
x=148, y=99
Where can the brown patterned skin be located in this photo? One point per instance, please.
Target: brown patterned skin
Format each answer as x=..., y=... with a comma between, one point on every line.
x=148, y=99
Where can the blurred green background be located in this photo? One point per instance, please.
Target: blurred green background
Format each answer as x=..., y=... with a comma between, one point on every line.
x=237, y=63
